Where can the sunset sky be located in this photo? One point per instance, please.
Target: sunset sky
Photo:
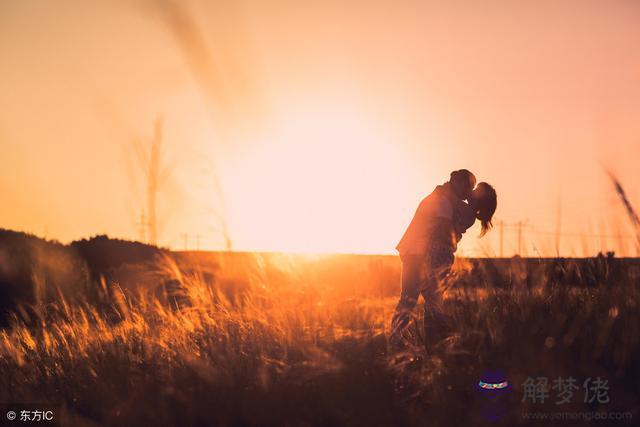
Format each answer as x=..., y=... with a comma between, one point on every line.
x=324, y=122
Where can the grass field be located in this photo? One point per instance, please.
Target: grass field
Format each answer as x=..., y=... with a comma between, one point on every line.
x=292, y=340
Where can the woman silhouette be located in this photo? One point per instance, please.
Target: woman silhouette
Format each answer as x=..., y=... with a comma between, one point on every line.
x=428, y=245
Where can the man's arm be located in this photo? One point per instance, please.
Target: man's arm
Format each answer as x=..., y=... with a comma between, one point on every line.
x=443, y=233
x=442, y=230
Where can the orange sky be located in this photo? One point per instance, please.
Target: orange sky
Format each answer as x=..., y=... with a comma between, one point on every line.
x=325, y=122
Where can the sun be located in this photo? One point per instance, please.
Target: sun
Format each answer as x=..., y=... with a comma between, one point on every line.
x=324, y=180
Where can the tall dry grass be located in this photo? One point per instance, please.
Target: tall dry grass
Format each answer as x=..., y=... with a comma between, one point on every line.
x=284, y=350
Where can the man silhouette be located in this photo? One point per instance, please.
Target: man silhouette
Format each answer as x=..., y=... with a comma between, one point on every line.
x=426, y=250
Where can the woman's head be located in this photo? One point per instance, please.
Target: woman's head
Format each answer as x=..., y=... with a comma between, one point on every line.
x=484, y=201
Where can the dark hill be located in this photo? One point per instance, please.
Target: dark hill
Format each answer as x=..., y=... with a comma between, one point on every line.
x=34, y=271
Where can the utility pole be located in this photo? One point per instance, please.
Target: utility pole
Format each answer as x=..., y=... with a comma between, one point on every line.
x=501, y=238
x=142, y=224
x=520, y=238
x=185, y=236
x=558, y=225
x=520, y=225
x=153, y=178
x=197, y=242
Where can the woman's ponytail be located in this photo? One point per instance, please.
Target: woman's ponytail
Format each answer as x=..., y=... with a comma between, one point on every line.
x=486, y=203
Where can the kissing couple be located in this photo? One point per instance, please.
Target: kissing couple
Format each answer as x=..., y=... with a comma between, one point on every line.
x=428, y=246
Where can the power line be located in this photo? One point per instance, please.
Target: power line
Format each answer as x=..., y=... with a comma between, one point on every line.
x=523, y=228
x=517, y=225
x=609, y=236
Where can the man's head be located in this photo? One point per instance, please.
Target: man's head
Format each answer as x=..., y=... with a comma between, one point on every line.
x=462, y=182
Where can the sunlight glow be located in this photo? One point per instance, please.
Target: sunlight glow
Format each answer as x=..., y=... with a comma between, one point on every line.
x=324, y=181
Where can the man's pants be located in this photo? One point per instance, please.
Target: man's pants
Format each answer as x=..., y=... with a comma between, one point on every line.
x=421, y=275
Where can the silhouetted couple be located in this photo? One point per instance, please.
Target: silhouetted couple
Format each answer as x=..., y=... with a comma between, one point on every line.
x=428, y=245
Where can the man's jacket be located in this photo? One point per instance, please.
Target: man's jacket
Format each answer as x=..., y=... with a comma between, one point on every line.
x=433, y=225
